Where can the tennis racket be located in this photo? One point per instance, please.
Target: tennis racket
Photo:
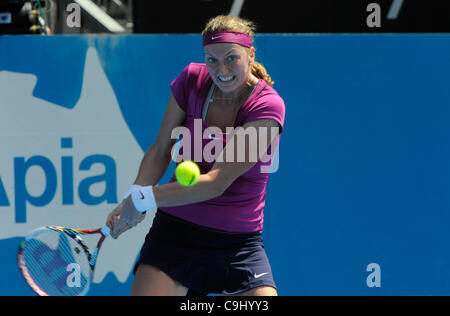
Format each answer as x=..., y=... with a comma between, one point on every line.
x=55, y=261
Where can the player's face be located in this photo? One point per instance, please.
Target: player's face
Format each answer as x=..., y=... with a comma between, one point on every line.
x=229, y=66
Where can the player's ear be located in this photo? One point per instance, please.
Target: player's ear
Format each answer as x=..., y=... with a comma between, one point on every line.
x=251, y=55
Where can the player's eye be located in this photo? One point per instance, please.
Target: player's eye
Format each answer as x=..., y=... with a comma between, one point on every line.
x=231, y=58
x=211, y=60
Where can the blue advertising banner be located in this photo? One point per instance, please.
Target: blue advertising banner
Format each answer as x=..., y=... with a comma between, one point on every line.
x=359, y=204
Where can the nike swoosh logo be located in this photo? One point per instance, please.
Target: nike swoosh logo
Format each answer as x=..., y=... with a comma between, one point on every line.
x=260, y=275
x=215, y=37
x=142, y=195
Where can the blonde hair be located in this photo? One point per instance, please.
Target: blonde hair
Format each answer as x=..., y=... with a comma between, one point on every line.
x=230, y=23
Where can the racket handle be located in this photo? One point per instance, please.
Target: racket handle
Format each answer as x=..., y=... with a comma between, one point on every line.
x=106, y=231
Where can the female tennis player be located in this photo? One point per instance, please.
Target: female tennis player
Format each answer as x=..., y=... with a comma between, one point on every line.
x=207, y=238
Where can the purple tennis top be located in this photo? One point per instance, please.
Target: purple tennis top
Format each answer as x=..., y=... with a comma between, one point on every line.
x=240, y=208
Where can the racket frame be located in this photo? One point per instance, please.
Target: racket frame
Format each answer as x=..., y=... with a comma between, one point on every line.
x=71, y=233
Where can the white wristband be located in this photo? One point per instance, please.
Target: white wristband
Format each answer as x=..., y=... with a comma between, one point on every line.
x=144, y=199
x=132, y=188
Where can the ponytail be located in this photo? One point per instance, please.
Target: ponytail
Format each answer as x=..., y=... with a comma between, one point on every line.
x=260, y=72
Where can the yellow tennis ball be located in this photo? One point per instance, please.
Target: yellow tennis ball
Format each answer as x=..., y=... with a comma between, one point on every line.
x=187, y=173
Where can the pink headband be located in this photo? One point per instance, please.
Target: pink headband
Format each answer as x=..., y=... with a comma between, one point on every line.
x=227, y=37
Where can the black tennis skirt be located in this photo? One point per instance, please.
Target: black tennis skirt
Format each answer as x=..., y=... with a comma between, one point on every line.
x=206, y=260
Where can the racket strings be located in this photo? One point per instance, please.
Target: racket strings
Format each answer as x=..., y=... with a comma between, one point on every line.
x=57, y=264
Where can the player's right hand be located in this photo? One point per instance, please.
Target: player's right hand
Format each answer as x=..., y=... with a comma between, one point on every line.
x=124, y=217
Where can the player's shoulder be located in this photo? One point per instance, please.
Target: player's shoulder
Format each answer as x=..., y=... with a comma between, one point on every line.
x=196, y=66
x=268, y=94
x=196, y=71
x=194, y=76
x=266, y=104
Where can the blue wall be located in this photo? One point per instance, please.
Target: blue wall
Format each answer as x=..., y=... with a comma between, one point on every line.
x=364, y=171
